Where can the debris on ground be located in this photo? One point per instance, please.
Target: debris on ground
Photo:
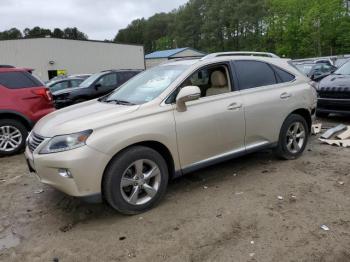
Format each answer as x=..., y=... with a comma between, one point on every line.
x=292, y=198
x=66, y=228
x=39, y=191
x=331, y=132
x=341, y=183
x=334, y=137
x=325, y=228
x=252, y=242
x=239, y=193
x=205, y=187
x=280, y=197
x=251, y=254
x=316, y=129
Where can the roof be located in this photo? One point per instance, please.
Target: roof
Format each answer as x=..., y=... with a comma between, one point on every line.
x=169, y=53
x=81, y=40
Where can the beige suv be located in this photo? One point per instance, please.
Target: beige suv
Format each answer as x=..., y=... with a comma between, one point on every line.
x=170, y=120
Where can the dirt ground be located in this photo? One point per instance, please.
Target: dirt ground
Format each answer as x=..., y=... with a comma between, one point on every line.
x=229, y=212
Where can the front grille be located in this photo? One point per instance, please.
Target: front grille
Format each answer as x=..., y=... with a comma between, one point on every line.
x=34, y=141
x=334, y=92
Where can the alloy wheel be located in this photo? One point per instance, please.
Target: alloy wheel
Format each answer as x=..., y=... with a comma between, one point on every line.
x=140, y=182
x=10, y=138
x=295, y=138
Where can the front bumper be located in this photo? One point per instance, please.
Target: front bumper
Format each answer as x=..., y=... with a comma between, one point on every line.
x=85, y=164
x=333, y=105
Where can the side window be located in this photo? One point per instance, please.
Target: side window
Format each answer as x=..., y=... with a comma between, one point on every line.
x=254, y=74
x=282, y=75
x=124, y=76
x=108, y=80
x=14, y=80
x=75, y=82
x=59, y=86
x=211, y=80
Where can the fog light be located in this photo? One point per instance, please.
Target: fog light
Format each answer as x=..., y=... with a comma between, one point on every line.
x=65, y=173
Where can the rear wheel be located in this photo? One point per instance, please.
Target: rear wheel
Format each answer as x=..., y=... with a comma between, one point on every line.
x=136, y=180
x=12, y=137
x=293, y=137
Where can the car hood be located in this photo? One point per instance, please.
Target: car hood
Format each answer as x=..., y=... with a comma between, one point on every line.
x=89, y=115
x=68, y=90
x=336, y=81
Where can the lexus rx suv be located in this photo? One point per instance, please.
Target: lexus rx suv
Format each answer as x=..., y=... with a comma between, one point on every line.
x=23, y=101
x=170, y=120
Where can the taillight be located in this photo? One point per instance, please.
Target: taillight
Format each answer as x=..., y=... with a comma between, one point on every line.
x=43, y=92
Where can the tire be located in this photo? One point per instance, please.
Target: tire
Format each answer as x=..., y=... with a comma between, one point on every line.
x=134, y=195
x=13, y=135
x=293, y=137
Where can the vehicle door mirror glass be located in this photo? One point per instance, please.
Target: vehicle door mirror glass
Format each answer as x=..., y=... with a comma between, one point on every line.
x=186, y=94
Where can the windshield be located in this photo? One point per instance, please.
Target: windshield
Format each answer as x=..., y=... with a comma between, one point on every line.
x=304, y=68
x=343, y=70
x=147, y=85
x=88, y=81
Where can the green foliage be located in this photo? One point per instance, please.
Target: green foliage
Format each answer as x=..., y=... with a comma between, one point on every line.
x=67, y=33
x=291, y=28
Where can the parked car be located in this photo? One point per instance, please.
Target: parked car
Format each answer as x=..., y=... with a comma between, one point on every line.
x=23, y=101
x=315, y=70
x=64, y=84
x=334, y=92
x=95, y=86
x=63, y=77
x=170, y=120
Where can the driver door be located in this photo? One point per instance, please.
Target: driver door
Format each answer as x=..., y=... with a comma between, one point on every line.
x=212, y=127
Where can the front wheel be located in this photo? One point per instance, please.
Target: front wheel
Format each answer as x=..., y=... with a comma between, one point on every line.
x=136, y=180
x=293, y=137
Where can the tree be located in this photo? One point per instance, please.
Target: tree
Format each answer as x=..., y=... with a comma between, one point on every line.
x=13, y=33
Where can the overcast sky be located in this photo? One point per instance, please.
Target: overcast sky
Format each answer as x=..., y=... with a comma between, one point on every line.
x=100, y=19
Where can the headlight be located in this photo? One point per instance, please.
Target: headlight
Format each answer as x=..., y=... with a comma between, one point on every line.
x=65, y=142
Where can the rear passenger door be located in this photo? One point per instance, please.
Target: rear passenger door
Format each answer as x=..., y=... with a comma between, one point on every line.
x=266, y=94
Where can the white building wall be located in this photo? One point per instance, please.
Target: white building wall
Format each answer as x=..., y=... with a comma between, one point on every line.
x=77, y=57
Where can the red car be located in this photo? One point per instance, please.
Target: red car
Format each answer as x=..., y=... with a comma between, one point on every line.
x=23, y=101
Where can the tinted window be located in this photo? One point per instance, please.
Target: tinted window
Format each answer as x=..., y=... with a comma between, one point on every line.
x=282, y=75
x=76, y=82
x=108, y=80
x=59, y=86
x=254, y=74
x=125, y=76
x=15, y=80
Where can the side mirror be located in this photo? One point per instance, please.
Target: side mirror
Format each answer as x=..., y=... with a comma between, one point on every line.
x=186, y=94
x=97, y=86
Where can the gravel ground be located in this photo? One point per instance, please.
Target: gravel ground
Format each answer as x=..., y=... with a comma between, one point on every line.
x=255, y=208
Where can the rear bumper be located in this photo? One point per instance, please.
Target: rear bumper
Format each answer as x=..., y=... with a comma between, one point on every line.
x=333, y=105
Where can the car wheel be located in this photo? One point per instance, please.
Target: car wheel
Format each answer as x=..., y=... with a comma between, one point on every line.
x=13, y=135
x=293, y=137
x=135, y=180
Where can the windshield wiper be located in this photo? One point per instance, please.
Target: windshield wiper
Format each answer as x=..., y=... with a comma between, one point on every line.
x=119, y=102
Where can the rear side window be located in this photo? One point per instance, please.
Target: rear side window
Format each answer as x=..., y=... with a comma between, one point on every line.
x=125, y=76
x=254, y=74
x=282, y=75
x=15, y=80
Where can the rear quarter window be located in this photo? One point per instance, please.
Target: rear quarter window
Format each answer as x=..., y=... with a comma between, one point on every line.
x=282, y=75
x=16, y=80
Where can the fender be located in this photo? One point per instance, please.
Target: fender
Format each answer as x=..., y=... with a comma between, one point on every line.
x=29, y=123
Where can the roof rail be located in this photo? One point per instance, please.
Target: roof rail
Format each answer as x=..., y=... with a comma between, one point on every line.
x=6, y=66
x=241, y=53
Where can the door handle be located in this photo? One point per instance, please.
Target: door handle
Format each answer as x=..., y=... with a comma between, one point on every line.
x=234, y=106
x=285, y=95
